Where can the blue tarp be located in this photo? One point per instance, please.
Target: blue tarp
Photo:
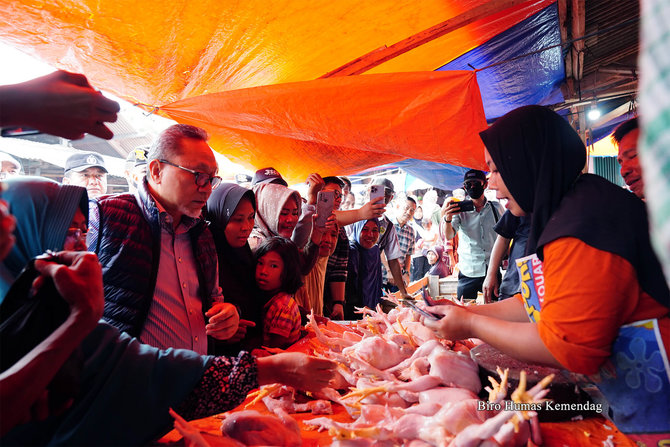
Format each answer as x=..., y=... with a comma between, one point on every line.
x=528, y=80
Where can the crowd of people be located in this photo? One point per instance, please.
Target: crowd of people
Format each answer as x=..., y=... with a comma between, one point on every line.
x=174, y=287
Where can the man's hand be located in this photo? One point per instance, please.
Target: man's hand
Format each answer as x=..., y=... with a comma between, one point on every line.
x=337, y=313
x=490, y=287
x=223, y=321
x=297, y=370
x=316, y=184
x=60, y=103
x=373, y=209
x=78, y=278
x=241, y=331
x=449, y=209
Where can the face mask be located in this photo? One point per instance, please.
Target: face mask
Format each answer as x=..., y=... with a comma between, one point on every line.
x=475, y=190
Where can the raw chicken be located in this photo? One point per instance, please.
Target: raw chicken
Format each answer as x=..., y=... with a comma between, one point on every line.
x=255, y=429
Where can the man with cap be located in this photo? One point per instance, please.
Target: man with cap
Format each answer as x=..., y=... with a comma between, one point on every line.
x=135, y=167
x=9, y=166
x=475, y=233
x=86, y=169
x=388, y=238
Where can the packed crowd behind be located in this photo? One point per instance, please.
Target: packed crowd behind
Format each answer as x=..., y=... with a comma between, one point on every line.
x=172, y=290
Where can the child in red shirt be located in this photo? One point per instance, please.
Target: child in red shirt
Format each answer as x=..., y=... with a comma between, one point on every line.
x=278, y=277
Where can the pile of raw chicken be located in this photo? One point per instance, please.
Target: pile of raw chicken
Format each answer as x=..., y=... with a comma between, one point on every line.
x=402, y=386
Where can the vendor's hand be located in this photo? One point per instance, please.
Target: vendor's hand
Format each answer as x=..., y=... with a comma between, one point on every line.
x=373, y=209
x=316, y=184
x=60, y=103
x=7, y=225
x=78, y=278
x=297, y=370
x=490, y=288
x=223, y=321
x=241, y=331
x=337, y=313
x=455, y=323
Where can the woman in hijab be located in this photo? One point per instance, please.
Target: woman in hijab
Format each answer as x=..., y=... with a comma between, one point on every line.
x=231, y=209
x=603, y=301
x=125, y=388
x=364, y=276
x=48, y=216
x=277, y=214
x=438, y=265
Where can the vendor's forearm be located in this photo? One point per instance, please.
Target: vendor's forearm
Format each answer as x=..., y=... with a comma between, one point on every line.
x=337, y=291
x=519, y=340
x=510, y=309
x=347, y=217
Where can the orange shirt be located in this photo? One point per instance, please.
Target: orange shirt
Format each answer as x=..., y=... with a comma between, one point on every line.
x=590, y=293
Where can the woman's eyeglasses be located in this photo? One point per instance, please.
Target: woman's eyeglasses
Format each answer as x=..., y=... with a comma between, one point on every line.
x=201, y=179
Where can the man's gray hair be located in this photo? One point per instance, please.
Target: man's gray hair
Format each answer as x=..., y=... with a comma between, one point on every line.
x=167, y=145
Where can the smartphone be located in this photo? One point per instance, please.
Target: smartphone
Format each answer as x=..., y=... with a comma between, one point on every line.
x=415, y=308
x=324, y=207
x=466, y=205
x=376, y=191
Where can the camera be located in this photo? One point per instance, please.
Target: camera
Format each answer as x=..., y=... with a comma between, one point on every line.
x=466, y=205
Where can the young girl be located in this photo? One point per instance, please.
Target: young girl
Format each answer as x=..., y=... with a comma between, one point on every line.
x=278, y=277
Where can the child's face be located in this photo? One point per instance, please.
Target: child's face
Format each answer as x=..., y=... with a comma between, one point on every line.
x=432, y=257
x=240, y=224
x=268, y=271
x=369, y=235
x=288, y=218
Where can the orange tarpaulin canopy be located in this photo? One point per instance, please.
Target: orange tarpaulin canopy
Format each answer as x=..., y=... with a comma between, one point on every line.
x=337, y=125
x=157, y=53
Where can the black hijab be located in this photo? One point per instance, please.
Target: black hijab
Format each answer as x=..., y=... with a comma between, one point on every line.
x=540, y=158
x=236, y=265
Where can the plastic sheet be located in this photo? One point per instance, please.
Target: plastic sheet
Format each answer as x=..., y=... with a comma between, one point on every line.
x=528, y=80
x=343, y=125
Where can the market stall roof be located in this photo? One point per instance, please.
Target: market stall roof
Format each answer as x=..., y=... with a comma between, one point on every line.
x=179, y=58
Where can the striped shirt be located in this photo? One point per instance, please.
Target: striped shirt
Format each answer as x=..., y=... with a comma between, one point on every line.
x=176, y=318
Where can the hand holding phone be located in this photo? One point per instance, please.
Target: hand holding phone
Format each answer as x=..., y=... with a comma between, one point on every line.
x=376, y=191
x=324, y=207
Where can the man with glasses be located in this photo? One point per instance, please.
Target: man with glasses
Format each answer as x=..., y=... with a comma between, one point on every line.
x=475, y=233
x=159, y=262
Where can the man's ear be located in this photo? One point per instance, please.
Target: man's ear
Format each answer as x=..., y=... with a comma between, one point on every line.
x=154, y=171
x=66, y=181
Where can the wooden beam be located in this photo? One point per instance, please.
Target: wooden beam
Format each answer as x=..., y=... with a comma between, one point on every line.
x=578, y=29
x=385, y=53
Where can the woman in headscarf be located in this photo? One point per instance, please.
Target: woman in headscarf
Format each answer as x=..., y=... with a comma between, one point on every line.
x=45, y=212
x=125, y=388
x=277, y=214
x=231, y=209
x=603, y=301
x=438, y=266
x=364, y=276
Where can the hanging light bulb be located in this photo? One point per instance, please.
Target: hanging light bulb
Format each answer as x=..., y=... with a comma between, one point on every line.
x=594, y=113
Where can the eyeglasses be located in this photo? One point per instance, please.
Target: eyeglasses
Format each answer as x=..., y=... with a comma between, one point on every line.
x=75, y=233
x=201, y=179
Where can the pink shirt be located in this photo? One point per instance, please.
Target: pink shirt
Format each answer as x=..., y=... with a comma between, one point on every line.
x=176, y=318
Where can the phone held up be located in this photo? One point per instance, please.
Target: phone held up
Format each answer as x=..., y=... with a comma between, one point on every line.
x=324, y=207
x=376, y=191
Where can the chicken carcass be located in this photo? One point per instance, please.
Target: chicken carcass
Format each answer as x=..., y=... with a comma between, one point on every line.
x=252, y=428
